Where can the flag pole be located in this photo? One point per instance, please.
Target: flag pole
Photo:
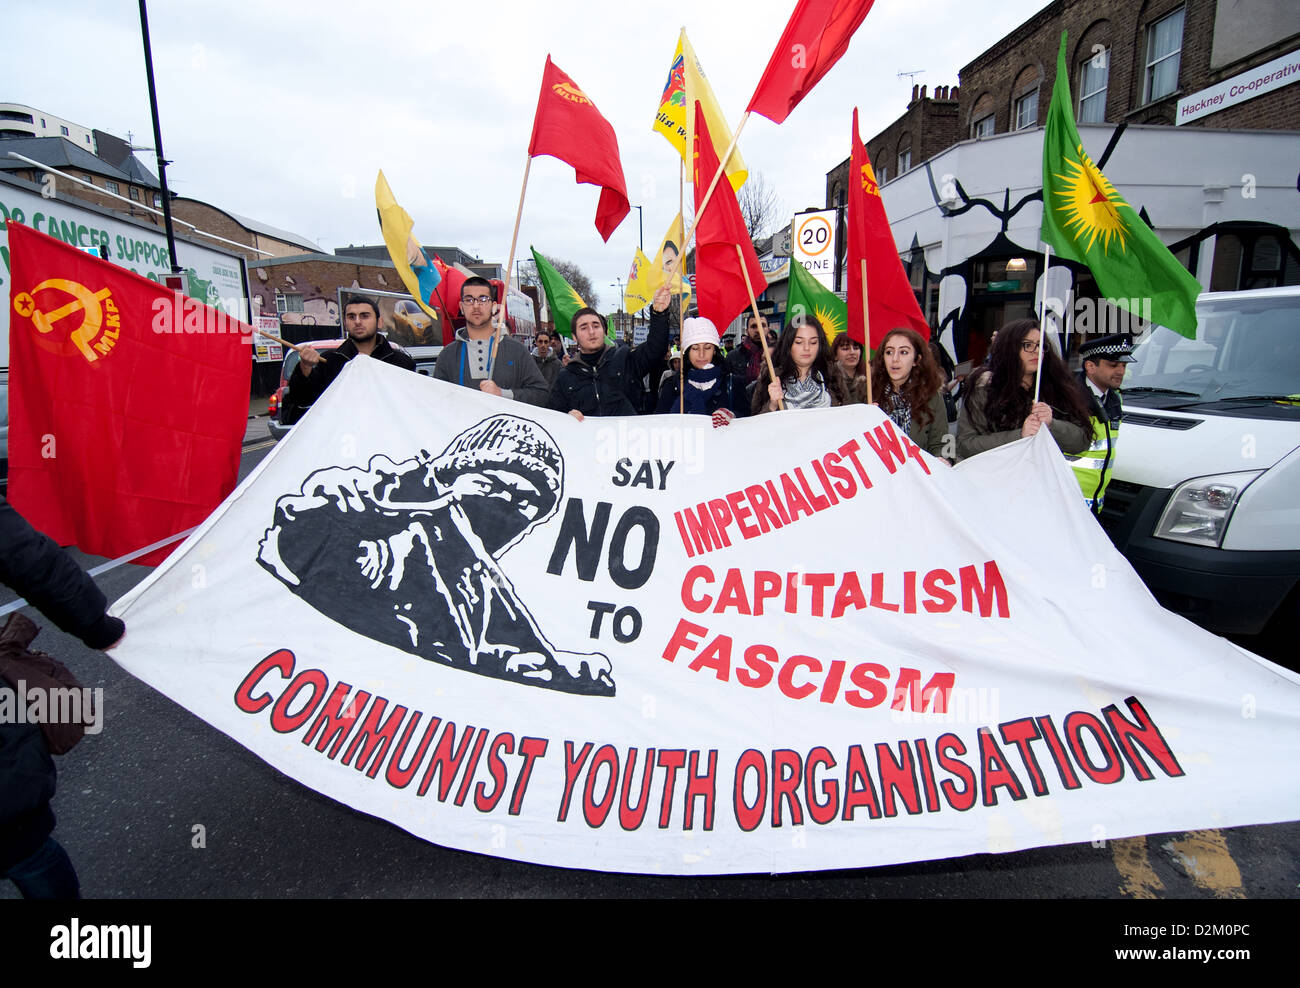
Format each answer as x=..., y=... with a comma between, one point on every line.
x=681, y=296
x=510, y=263
x=1042, y=324
x=296, y=347
x=866, y=330
x=753, y=307
x=708, y=195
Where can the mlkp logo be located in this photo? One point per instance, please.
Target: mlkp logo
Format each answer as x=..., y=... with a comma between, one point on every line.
x=570, y=92
x=100, y=322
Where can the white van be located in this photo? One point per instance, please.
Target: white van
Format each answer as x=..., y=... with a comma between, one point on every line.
x=1205, y=496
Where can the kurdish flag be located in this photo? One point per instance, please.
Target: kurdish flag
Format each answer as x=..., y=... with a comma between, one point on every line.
x=561, y=297
x=808, y=296
x=1088, y=222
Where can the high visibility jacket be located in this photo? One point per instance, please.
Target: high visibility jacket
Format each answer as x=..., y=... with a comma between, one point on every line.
x=1092, y=468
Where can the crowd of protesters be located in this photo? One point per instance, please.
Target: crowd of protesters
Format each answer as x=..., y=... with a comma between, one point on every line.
x=912, y=380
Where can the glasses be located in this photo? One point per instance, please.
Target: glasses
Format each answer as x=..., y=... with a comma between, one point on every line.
x=475, y=299
x=1028, y=346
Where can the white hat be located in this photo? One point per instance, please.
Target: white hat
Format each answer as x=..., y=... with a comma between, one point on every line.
x=699, y=330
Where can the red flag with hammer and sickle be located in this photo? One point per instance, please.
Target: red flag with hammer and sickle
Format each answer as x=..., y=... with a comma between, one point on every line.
x=127, y=401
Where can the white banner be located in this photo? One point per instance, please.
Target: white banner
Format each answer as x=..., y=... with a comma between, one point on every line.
x=793, y=643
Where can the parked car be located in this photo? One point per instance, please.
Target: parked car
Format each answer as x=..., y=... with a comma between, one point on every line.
x=1205, y=497
x=282, y=414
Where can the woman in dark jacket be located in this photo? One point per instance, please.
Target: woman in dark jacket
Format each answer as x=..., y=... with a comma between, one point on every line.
x=606, y=379
x=999, y=407
x=711, y=387
x=805, y=378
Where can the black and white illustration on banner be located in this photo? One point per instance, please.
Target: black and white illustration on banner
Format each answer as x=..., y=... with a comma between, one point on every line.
x=406, y=553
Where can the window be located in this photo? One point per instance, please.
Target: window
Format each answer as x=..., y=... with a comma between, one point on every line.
x=157, y=200
x=1027, y=111
x=287, y=303
x=111, y=186
x=983, y=127
x=882, y=175
x=904, y=160
x=87, y=138
x=1093, y=77
x=1164, y=48
x=135, y=193
x=87, y=179
x=63, y=131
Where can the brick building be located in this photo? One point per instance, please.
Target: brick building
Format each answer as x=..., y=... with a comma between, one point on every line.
x=1193, y=99
x=91, y=177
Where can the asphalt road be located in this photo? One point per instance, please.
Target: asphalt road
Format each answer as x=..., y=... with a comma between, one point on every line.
x=161, y=805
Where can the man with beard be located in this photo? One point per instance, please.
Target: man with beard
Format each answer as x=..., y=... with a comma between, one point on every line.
x=316, y=371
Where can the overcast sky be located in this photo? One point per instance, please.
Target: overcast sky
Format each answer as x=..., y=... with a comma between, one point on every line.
x=285, y=112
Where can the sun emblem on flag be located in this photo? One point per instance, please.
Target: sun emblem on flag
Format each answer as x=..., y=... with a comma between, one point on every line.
x=1090, y=204
x=832, y=324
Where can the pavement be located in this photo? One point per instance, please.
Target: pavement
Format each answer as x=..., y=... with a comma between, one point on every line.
x=257, y=418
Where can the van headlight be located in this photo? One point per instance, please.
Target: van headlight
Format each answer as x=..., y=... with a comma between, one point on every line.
x=1199, y=511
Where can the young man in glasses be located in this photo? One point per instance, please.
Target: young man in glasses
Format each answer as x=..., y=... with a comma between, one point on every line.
x=317, y=370
x=470, y=361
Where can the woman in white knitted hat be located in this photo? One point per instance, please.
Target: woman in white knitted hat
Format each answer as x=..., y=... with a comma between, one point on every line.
x=710, y=388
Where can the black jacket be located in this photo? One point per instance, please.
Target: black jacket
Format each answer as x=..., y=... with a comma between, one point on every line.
x=613, y=385
x=305, y=389
x=32, y=565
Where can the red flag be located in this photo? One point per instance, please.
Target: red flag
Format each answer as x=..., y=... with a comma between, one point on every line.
x=127, y=402
x=890, y=300
x=816, y=36
x=569, y=127
x=446, y=298
x=720, y=291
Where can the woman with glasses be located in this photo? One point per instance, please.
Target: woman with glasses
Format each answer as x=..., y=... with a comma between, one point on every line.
x=851, y=367
x=907, y=384
x=1000, y=406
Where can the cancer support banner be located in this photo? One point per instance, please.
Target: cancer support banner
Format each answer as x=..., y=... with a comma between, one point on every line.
x=648, y=645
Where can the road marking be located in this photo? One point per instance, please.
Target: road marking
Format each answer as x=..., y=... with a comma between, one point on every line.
x=1204, y=855
x=1139, y=879
x=261, y=445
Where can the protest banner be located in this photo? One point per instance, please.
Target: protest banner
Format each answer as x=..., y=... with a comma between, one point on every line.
x=635, y=645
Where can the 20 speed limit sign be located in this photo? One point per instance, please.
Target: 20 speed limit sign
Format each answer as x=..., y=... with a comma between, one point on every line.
x=814, y=244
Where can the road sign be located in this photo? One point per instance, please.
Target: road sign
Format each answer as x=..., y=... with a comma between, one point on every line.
x=814, y=244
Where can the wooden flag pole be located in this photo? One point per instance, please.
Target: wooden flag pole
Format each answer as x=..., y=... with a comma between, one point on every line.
x=708, y=195
x=510, y=264
x=296, y=347
x=866, y=330
x=1042, y=325
x=753, y=307
x=681, y=295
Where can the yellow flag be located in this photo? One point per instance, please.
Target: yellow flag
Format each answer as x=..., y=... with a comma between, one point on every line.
x=646, y=276
x=675, y=118
x=396, y=225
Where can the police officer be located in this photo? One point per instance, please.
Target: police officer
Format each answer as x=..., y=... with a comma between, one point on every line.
x=1104, y=364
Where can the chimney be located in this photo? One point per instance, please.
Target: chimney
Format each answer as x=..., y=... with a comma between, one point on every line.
x=915, y=89
x=952, y=93
x=922, y=92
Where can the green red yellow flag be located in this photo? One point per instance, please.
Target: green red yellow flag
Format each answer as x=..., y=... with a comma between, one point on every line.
x=808, y=296
x=675, y=118
x=1087, y=221
x=561, y=297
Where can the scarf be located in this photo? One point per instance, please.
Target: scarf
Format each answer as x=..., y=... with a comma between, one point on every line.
x=897, y=408
x=809, y=393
